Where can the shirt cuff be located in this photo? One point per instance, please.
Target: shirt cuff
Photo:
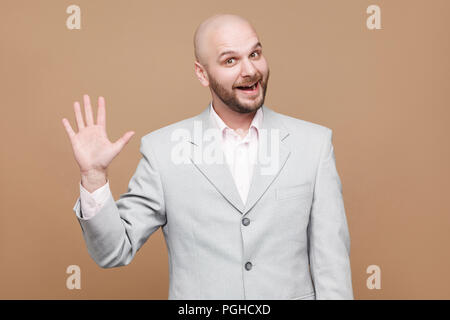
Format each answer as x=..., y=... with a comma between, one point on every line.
x=91, y=203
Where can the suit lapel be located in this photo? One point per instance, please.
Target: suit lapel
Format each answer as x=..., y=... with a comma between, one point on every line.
x=272, y=156
x=217, y=172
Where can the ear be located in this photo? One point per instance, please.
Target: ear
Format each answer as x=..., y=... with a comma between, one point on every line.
x=201, y=74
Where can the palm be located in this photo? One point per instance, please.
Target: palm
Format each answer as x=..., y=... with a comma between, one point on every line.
x=91, y=146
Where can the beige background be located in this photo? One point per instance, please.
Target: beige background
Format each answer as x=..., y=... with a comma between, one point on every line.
x=385, y=94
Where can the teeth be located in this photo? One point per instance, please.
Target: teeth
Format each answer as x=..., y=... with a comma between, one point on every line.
x=251, y=87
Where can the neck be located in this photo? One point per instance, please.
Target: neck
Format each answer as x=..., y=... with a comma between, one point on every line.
x=235, y=120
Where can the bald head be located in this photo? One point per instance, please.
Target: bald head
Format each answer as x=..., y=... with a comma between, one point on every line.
x=210, y=33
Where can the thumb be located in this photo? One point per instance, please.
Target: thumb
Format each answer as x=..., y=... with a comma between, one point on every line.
x=121, y=142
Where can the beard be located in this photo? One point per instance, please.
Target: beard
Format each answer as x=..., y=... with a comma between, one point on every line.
x=231, y=99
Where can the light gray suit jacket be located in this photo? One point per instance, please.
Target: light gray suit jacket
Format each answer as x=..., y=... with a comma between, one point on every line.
x=294, y=243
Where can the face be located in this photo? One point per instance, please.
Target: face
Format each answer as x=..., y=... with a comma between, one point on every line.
x=235, y=64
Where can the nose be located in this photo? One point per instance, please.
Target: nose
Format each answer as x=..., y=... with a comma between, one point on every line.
x=247, y=68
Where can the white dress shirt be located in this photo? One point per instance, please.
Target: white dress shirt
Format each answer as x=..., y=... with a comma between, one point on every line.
x=240, y=154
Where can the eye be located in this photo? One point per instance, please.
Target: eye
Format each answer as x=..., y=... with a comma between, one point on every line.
x=228, y=60
x=254, y=53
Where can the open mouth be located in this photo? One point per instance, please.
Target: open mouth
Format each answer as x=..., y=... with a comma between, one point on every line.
x=251, y=88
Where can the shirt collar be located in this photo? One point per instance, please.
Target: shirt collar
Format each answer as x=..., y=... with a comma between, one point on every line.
x=256, y=122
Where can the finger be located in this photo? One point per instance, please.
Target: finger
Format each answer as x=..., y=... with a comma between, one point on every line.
x=78, y=116
x=120, y=143
x=101, y=113
x=88, y=111
x=68, y=128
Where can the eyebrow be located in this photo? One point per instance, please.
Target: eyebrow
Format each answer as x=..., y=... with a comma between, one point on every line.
x=230, y=51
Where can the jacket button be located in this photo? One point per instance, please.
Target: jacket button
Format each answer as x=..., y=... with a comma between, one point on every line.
x=246, y=221
x=248, y=266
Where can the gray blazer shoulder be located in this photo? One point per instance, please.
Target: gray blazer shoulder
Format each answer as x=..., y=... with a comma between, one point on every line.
x=300, y=125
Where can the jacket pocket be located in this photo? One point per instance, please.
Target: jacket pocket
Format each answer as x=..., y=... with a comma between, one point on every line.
x=297, y=191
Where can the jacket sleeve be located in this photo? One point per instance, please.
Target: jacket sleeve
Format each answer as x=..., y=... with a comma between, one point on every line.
x=328, y=234
x=119, y=229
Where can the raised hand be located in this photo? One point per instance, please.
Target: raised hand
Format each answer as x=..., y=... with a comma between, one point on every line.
x=91, y=147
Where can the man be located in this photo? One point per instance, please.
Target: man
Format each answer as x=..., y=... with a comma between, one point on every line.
x=257, y=213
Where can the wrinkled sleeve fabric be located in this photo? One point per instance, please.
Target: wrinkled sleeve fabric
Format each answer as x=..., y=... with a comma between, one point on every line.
x=118, y=230
x=328, y=234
